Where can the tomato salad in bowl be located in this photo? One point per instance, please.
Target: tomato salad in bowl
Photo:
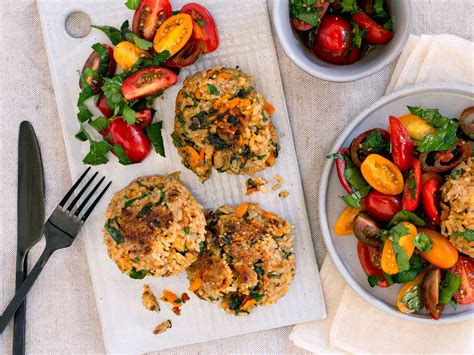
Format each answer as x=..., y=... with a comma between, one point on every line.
x=150, y=54
x=410, y=191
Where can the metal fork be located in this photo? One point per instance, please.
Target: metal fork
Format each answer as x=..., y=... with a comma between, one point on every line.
x=60, y=230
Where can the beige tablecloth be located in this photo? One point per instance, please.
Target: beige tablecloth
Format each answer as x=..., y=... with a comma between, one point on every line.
x=62, y=316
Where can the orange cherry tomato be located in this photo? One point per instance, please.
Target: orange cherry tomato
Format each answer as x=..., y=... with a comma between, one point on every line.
x=442, y=254
x=126, y=54
x=343, y=225
x=416, y=127
x=413, y=286
x=382, y=174
x=173, y=34
x=389, y=262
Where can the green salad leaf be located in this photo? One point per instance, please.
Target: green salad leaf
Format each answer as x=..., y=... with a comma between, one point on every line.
x=407, y=216
x=449, y=287
x=423, y=242
x=153, y=132
x=132, y=4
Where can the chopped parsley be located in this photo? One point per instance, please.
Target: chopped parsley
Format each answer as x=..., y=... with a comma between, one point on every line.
x=138, y=275
x=145, y=211
x=121, y=155
x=212, y=90
x=114, y=232
x=153, y=132
x=423, y=242
x=401, y=256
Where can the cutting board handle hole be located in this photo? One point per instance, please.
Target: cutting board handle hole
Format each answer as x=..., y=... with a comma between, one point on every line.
x=78, y=24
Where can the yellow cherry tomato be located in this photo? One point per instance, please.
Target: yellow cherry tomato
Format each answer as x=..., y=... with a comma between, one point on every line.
x=416, y=127
x=382, y=175
x=343, y=225
x=389, y=261
x=412, y=287
x=173, y=34
x=442, y=253
x=126, y=54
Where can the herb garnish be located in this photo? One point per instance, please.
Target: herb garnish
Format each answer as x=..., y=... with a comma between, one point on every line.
x=218, y=142
x=449, y=287
x=145, y=211
x=423, y=242
x=304, y=10
x=405, y=215
x=212, y=89
x=114, y=232
x=121, y=155
x=153, y=132
x=402, y=258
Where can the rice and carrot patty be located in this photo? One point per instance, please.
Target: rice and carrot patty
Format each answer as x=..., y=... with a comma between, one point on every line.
x=221, y=122
x=248, y=260
x=153, y=227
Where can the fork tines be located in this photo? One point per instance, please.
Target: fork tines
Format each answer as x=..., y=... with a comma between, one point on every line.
x=87, y=199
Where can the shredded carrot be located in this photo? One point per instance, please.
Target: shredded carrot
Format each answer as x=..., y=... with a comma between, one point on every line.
x=248, y=304
x=268, y=107
x=244, y=103
x=271, y=216
x=243, y=121
x=224, y=76
x=170, y=297
x=270, y=160
x=195, y=157
x=242, y=209
x=178, y=98
x=197, y=93
x=195, y=284
x=233, y=103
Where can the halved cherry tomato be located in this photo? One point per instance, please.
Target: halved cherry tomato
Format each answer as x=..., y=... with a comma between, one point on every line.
x=104, y=108
x=134, y=142
x=389, y=261
x=442, y=253
x=382, y=206
x=126, y=54
x=369, y=258
x=173, y=34
x=321, y=6
x=144, y=118
x=412, y=191
x=430, y=198
x=358, y=150
x=147, y=82
x=382, y=174
x=300, y=25
x=186, y=56
x=402, y=145
x=465, y=268
x=149, y=15
x=413, y=287
x=93, y=62
x=377, y=34
x=427, y=176
x=344, y=223
x=204, y=27
x=430, y=293
x=416, y=127
x=341, y=167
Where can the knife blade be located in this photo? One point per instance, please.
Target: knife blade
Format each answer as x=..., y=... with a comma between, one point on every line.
x=30, y=213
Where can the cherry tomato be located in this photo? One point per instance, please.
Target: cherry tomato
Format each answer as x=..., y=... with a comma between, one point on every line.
x=465, y=268
x=144, y=118
x=427, y=176
x=402, y=145
x=341, y=167
x=134, y=142
x=126, y=54
x=357, y=149
x=186, y=56
x=389, y=261
x=416, y=127
x=344, y=223
x=147, y=82
x=412, y=191
x=149, y=15
x=204, y=27
x=430, y=293
x=442, y=254
x=173, y=34
x=377, y=34
x=302, y=26
x=93, y=62
x=333, y=39
x=104, y=108
x=413, y=286
x=369, y=258
x=382, y=206
x=382, y=174
x=430, y=199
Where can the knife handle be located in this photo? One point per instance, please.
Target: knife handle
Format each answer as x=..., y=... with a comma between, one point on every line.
x=19, y=322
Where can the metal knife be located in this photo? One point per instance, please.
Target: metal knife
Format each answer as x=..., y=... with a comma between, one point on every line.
x=30, y=217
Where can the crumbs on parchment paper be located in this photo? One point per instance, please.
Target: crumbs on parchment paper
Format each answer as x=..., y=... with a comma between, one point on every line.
x=162, y=327
x=255, y=184
x=149, y=300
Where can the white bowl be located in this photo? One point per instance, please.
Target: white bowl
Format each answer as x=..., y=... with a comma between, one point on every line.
x=371, y=63
x=451, y=100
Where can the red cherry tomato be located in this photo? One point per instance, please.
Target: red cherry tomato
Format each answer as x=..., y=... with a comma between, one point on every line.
x=204, y=27
x=377, y=34
x=465, y=268
x=402, y=145
x=144, y=118
x=303, y=26
x=412, y=190
x=186, y=56
x=382, y=206
x=104, y=108
x=147, y=82
x=134, y=142
x=341, y=167
x=369, y=258
x=333, y=41
x=430, y=199
x=149, y=15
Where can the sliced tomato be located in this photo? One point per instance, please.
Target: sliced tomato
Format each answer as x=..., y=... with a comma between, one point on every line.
x=144, y=118
x=427, y=176
x=389, y=262
x=376, y=34
x=300, y=25
x=430, y=293
x=345, y=221
x=382, y=174
x=149, y=15
x=104, y=108
x=186, y=56
x=341, y=167
x=465, y=268
x=402, y=145
x=409, y=299
x=382, y=206
x=430, y=198
x=147, y=82
x=369, y=258
x=204, y=27
x=412, y=191
x=173, y=34
x=126, y=54
x=442, y=253
x=93, y=63
x=321, y=6
x=134, y=142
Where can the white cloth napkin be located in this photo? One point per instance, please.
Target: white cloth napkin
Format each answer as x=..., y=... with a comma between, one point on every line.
x=353, y=325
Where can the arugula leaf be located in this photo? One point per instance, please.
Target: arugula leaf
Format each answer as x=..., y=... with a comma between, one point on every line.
x=402, y=258
x=103, y=54
x=129, y=115
x=408, y=216
x=373, y=280
x=349, y=6
x=212, y=89
x=153, y=132
x=113, y=33
x=121, y=155
x=449, y=287
x=375, y=142
x=100, y=124
x=98, y=153
x=132, y=4
x=423, y=242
